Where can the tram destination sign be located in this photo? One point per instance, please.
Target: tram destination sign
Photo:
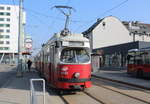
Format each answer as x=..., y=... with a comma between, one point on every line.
x=73, y=43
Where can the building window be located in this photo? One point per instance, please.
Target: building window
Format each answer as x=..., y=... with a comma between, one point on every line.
x=1, y=36
x=1, y=25
x=1, y=8
x=7, y=25
x=1, y=48
x=6, y=48
x=7, y=42
x=1, y=13
x=8, y=19
x=8, y=31
x=7, y=14
x=1, y=19
x=104, y=24
x=8, y=8
x=7, y=36
x=1, y=30
x=1, y=42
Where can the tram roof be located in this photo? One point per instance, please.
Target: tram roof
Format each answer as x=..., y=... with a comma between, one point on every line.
x=69, y=37
x=73, y=37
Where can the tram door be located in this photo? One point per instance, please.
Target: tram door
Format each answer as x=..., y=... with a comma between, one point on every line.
x=52, y=69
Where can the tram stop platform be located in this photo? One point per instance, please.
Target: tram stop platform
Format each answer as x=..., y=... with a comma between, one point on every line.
x=17, y=91
x=123, y=77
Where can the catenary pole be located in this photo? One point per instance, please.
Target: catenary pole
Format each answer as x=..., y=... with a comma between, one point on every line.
x=19, y=67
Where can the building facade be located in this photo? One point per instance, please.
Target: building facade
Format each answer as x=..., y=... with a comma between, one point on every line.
x=9, y=16
x=112, y=38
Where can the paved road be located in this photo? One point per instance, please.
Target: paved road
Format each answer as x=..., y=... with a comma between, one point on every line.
x=6, y=73
x=16, y=90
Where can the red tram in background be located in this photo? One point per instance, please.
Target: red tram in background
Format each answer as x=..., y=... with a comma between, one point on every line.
x=139, y=62
x=65, y=62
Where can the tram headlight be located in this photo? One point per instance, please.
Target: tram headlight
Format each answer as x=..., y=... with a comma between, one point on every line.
x=77, y=75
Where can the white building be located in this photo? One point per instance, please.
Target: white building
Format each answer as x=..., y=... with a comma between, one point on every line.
x=9, y=15
x=111, y=38
x=111, y=31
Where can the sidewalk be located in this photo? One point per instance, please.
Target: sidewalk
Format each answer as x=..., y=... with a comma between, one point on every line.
x=122, y=76
x=17, y=91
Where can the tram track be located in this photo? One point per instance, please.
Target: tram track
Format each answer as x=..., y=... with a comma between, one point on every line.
x=67, y=98
x=64, y=100
x=121, y=82
x=100, y=101
x=104, y=83
x=101, y=88
x=127, y=85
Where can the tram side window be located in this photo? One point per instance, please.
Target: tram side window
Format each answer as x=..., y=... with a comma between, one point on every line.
x=147, y=58
x=41, y=58
x=44, y=58
x=130, y=59
x=48, y=58
x=138, y=59
x=135, y=58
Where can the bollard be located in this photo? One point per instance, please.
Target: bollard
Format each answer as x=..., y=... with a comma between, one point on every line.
x=33, y=94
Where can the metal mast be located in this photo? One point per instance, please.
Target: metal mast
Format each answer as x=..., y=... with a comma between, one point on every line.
x=19, y=68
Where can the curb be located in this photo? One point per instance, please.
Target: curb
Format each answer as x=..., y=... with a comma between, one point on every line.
x=127, y=83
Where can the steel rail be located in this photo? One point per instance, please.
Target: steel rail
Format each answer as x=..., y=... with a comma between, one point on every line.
x=126, y=83
x=98, y=84
x=98, y=100
x=86, y=93
x=64, y=100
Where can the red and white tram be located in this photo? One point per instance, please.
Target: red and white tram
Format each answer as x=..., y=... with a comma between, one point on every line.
x=139, y=62
x=65, y=62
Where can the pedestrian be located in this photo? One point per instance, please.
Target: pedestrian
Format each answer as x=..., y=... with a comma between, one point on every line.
x=29, y=64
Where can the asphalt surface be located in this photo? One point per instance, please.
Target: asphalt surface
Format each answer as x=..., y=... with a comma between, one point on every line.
x=16, y=90
x=6, y=73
